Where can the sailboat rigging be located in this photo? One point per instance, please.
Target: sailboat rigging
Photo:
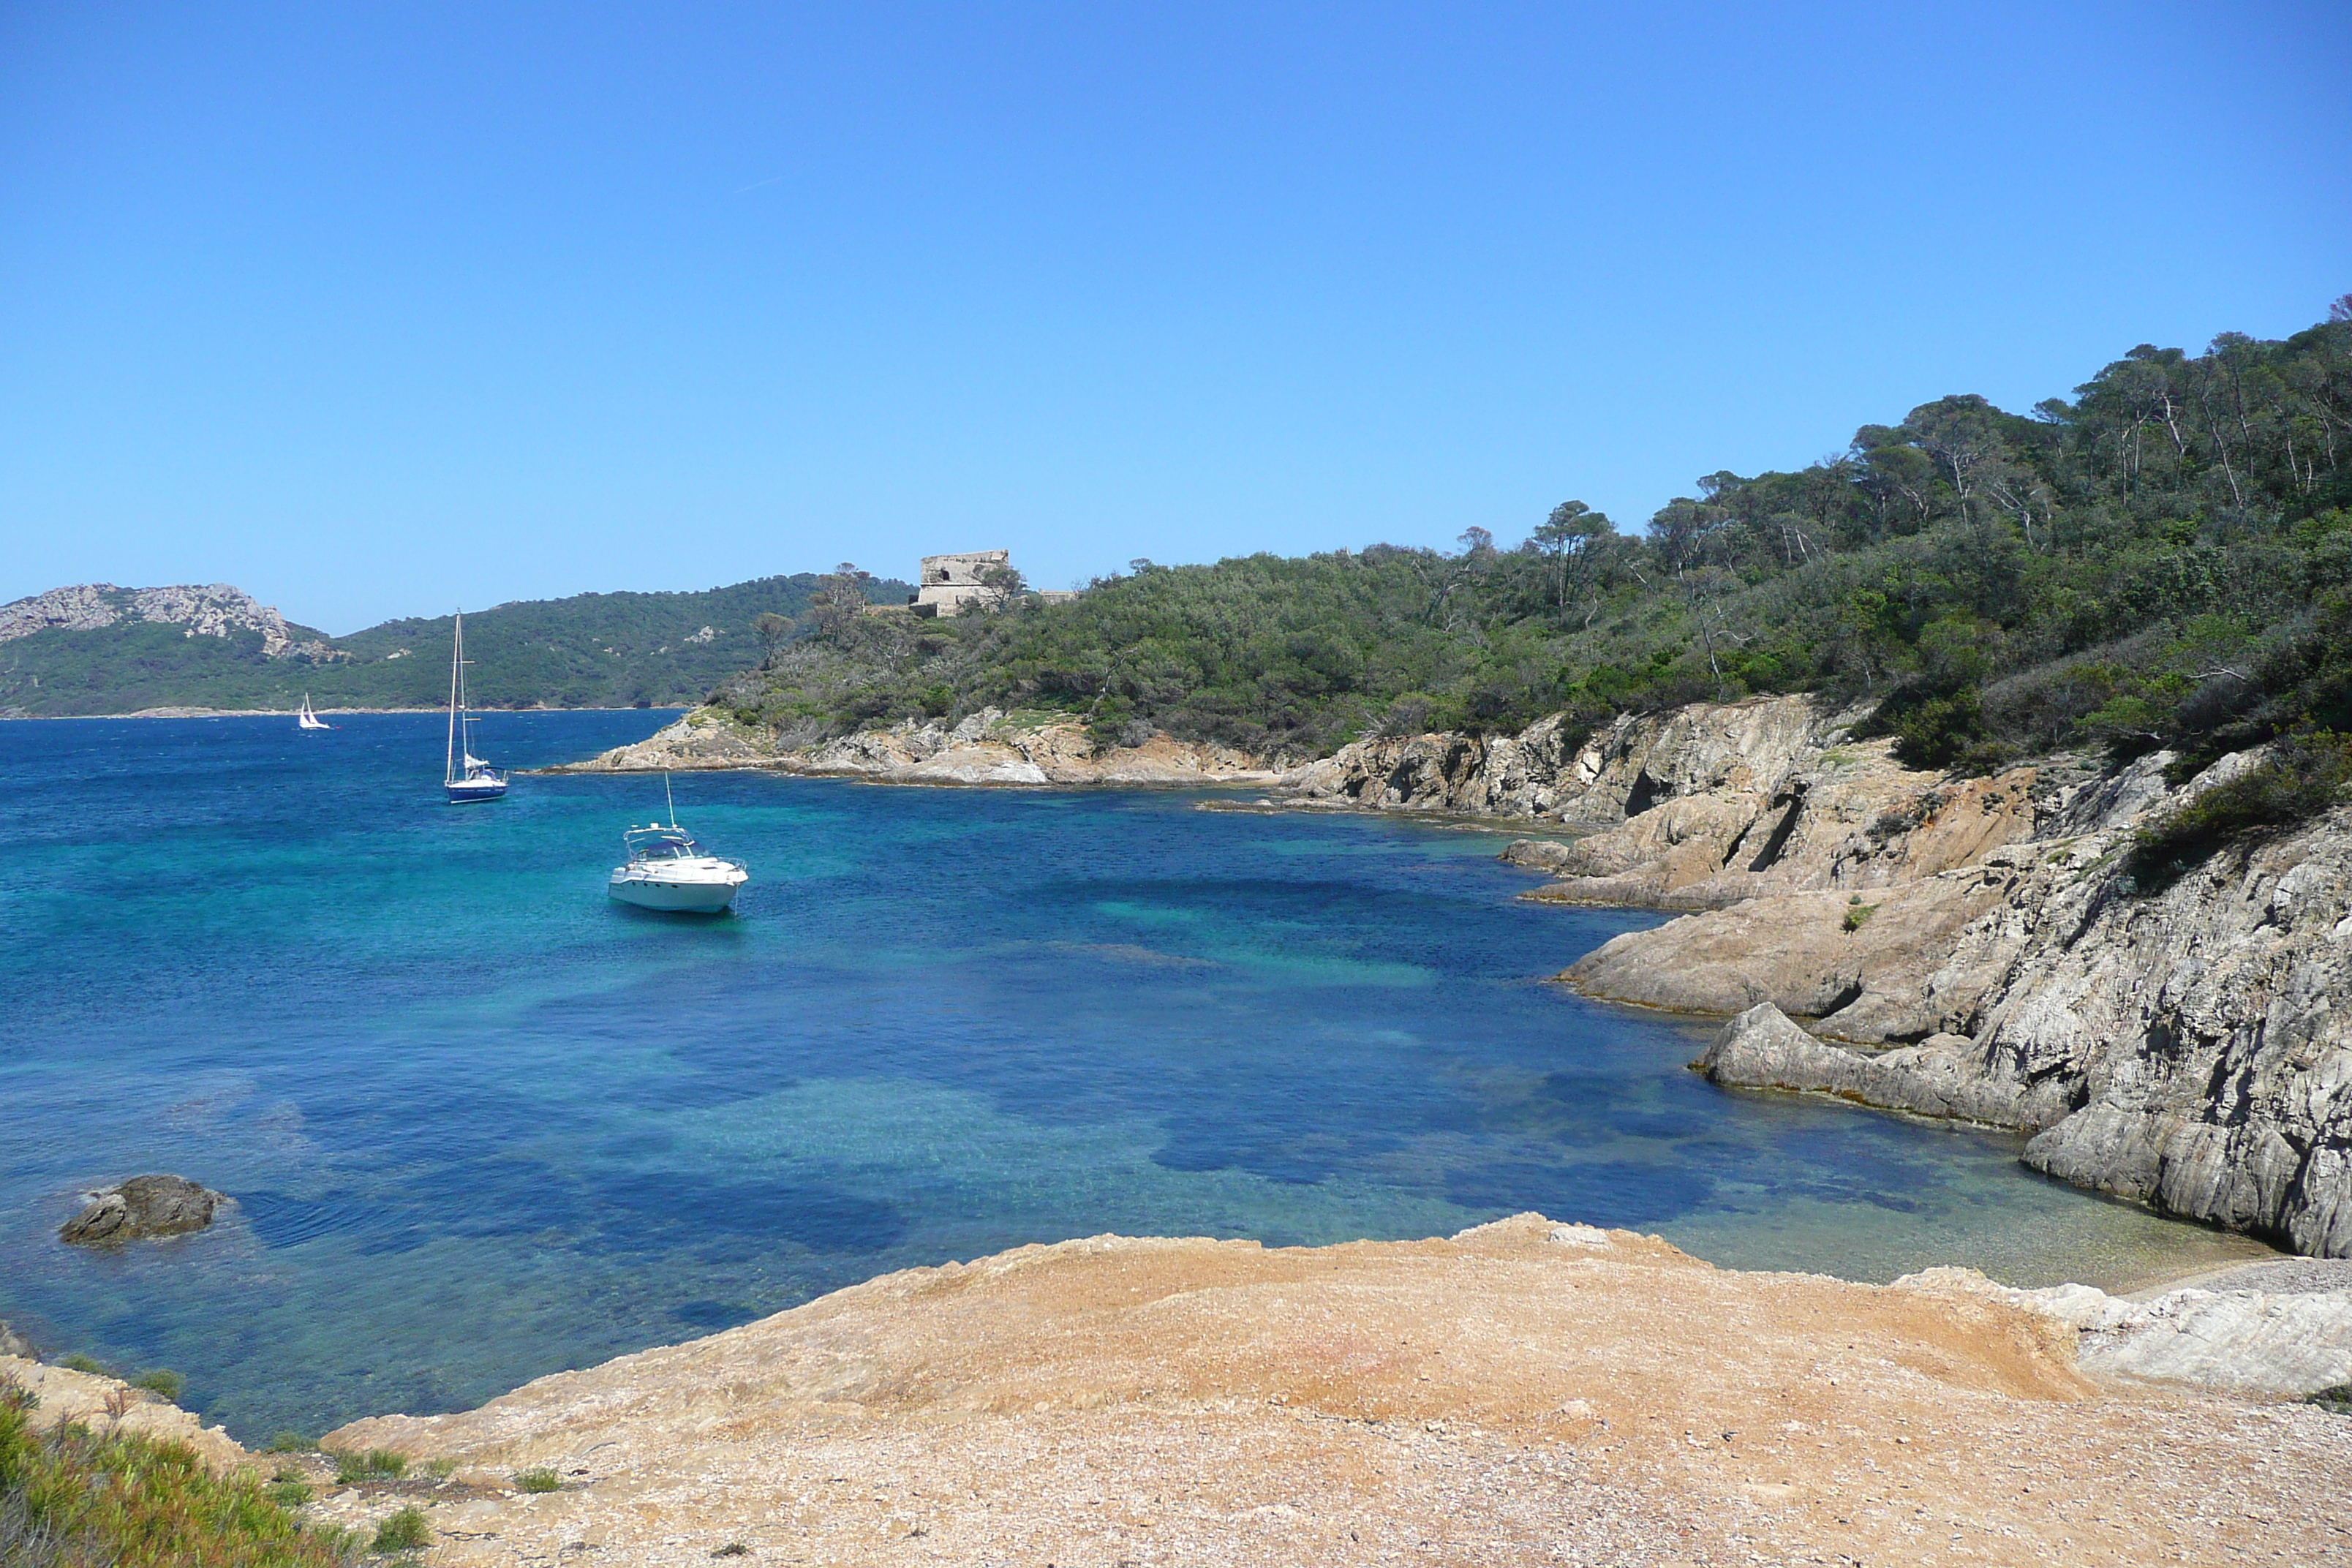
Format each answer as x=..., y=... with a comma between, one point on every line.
x=464, y=776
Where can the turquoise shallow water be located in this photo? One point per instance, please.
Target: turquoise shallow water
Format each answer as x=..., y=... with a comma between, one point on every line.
x=481, y=1124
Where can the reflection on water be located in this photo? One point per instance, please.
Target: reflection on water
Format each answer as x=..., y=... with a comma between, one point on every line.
x=481, y=1124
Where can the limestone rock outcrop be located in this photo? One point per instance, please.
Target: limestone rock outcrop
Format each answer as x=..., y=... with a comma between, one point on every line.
x=2188, y=1045
x=1522, y=1392
x=990, y=747
x=2238, y=1341
x=141, y=1208
x=1940, y=1076
x=1707, y=749
x=211, y=610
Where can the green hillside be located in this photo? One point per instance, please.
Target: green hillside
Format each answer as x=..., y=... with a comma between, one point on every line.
x=2165, y=560
x=592, y=650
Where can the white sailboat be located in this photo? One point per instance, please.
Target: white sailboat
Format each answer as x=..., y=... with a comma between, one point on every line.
x=466, y=777
x=307, y=720
x=668, y=870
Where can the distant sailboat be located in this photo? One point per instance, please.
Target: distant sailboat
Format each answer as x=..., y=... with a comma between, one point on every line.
x=466, y=776
x=307, y=720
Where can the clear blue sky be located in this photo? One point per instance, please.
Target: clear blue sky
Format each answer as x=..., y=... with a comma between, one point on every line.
x=372, y=309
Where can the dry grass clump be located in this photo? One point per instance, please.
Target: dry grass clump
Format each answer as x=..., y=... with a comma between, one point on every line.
x=374, y=1465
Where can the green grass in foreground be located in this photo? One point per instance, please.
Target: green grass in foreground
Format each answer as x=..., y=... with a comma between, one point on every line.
x=70, y=1498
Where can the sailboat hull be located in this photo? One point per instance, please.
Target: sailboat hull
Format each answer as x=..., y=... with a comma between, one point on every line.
x=464, y=792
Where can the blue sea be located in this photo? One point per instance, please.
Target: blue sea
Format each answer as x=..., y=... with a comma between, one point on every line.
x=482, y=1124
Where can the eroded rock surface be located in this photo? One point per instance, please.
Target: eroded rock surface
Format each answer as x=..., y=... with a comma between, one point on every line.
x=1520, y=1393
x=1544, y=772
x=2188, y=1046
x=990, y=747
x=141, y=1208
x=1943, y=1076
x=2240, y=1342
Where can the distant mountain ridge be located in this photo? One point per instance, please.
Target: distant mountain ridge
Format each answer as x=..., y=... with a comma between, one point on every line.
x=215, y=610
x=96, y=648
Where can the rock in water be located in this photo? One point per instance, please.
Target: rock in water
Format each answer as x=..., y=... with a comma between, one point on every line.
x=14, y=1343
x=139, y=1207
x=1762, y=1048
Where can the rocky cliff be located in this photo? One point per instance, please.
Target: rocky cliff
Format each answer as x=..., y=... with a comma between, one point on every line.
x=990, y=747
x=2188, y=1045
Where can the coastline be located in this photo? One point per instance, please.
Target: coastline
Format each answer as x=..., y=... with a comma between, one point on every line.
x=1520, y=1391
x=290, y=713
x=1404, y=1386
x=1941, y=935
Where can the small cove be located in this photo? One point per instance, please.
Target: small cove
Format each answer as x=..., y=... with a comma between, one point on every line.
x=481, y=1124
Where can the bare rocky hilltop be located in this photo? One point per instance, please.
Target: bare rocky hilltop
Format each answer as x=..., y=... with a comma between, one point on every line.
x=1956, y=947
x=210, y=610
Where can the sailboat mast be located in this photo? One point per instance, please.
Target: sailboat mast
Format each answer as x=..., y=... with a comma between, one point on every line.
x=457, y=663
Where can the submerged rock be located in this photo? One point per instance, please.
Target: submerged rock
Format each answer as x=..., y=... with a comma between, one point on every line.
x=141, y=1207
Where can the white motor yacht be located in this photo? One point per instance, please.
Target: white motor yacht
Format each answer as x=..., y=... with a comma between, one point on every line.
x=668, y=870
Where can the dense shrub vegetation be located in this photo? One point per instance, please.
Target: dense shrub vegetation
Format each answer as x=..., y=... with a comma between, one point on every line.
x=2164, y=560
x=70, y=1498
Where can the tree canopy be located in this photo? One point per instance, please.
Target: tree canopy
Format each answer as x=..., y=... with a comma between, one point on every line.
x=2164, y=560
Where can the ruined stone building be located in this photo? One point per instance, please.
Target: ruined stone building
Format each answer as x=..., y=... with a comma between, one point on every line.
x=948, y=583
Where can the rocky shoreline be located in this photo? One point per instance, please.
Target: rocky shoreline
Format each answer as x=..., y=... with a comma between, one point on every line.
x=1956, y=947
x=990, y=748
x=1524, y=1390
x=1968, y=948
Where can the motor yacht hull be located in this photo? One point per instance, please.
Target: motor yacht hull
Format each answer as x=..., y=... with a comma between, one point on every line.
x=675, y=896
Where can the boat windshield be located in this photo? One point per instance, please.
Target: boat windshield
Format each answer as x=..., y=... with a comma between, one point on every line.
x=660, y=844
